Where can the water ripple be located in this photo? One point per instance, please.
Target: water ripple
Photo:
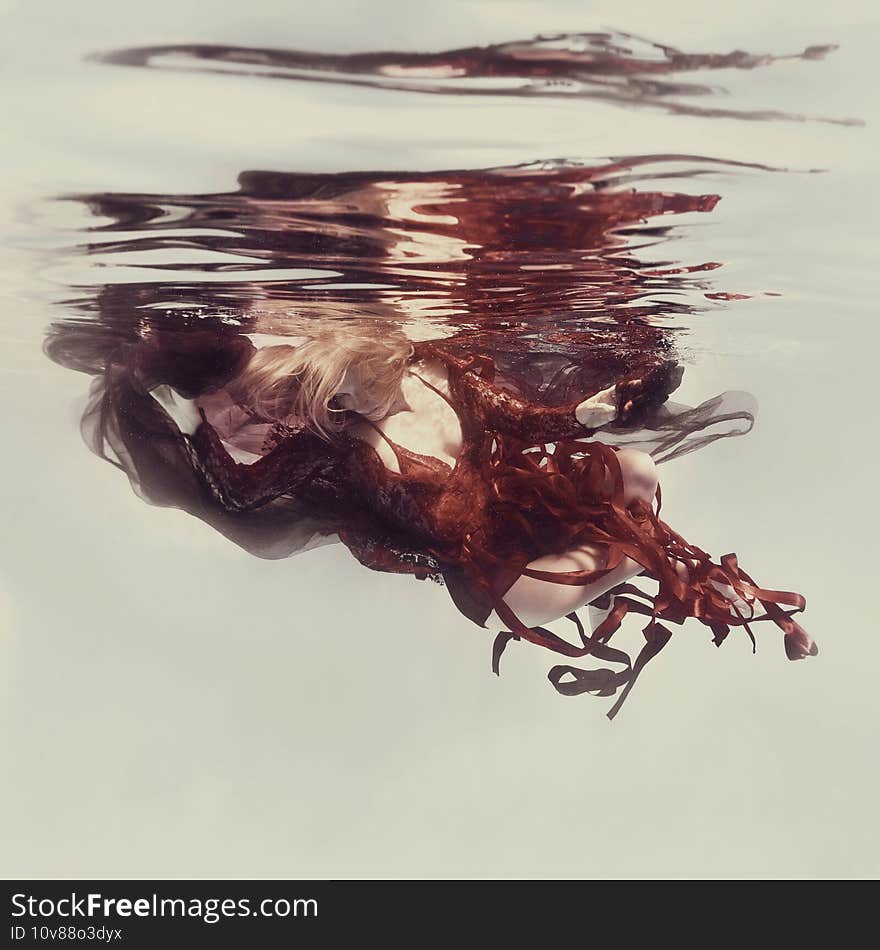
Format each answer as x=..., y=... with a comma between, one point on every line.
x=614, y=67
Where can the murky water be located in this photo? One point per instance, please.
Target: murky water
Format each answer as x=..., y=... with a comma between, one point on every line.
x=174, y=706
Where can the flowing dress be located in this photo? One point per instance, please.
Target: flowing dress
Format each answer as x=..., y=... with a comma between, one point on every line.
x=530, y=480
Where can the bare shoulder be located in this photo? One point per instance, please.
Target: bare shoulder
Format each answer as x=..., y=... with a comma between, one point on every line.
x=373, y=437
x=430, y=369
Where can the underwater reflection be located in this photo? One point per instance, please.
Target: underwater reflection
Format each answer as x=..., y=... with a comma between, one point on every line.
x=553, y=240
x=614, y=67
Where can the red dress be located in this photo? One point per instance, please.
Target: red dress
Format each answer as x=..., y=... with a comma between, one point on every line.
x=508, y=499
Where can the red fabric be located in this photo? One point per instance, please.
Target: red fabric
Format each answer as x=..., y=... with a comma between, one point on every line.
x=509, y=499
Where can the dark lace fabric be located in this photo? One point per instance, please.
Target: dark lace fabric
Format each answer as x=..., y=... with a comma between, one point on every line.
x=529, y=481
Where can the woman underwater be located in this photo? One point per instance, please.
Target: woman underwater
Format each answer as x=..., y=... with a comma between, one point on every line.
x=422, y=462
x=513, y=461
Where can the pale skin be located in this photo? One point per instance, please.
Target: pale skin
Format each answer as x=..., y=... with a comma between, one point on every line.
x=424, y=422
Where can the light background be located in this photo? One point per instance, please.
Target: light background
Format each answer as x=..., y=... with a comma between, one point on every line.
x=171, y=707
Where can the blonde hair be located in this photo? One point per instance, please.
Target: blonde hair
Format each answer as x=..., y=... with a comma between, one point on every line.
x=285, y=381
